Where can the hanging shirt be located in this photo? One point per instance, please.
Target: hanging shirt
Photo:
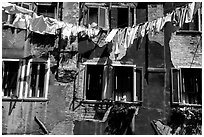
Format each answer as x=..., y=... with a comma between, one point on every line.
x=111, y=35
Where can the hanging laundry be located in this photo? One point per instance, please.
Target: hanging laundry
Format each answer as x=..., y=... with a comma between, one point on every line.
x=143, y=29
x=163, y=22
x=66, y=31
x=13, y=9
x=133, y=34
x=116, y=44
x=22, y=21
x=182, y=16
x=190, y=11
x=51, y=26
x=38, y=24
x=152, y=26
x=148, y=28
x=158, y=25
x=168, y=17
x=111, y=35
x=121, y=37
x=127, y=37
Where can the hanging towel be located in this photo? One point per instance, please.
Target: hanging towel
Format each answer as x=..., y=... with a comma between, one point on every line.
x=111, y=35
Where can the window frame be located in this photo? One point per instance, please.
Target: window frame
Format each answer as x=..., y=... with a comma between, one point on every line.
x=199, y=24
x=134, y=92
x=18, y=76
x=24, y=78
x=179, y=86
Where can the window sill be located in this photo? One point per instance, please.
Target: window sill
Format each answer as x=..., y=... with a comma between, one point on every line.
x=186, y=105
x=25, y=100
x=110, y=102
x=189, y=32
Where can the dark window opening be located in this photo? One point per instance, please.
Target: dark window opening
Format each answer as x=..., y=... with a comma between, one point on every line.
x=93, y=15
x=187, y=86
x=37, y=80
x=192, y=86
x=123, y=83
x=194, y=25
x=122, y=17
x=46, y=10
x=94, y=82
x=9, y=77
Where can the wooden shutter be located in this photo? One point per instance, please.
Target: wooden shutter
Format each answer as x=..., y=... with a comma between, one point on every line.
x=175, y=85
x=103, y=21
x=138, y=82
x=114, y=17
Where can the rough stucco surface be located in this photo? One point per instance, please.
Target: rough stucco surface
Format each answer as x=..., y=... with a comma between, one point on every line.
x=60, y=119
x=183, y=50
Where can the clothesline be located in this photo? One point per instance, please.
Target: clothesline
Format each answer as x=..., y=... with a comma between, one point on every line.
x=42, y=25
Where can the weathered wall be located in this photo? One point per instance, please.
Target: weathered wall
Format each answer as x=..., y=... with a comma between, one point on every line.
x=57, y=113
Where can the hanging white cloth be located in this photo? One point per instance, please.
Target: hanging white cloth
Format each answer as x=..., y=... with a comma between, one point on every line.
x=111, y=35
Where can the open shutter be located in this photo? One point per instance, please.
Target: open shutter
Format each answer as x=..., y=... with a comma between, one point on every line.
x=103, y=21
x=138, y=83
x=175, y=85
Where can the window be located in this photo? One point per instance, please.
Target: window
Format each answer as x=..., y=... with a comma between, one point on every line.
x=196, y=24
x=94, y=77
x=25, y=78
x=122, y=17
x=118, y=83
x=47, y=9
x=37, y=80
x=10, y=71
x=186, y=85
x=98, y=15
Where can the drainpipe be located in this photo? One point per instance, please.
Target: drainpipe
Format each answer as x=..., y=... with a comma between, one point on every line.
x=59, y=39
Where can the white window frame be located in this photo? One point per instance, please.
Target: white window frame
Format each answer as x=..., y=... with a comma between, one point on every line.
x=18, y=77
x=180, y=86
x=134, y=80
x=135, y=97
x=24, y=73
